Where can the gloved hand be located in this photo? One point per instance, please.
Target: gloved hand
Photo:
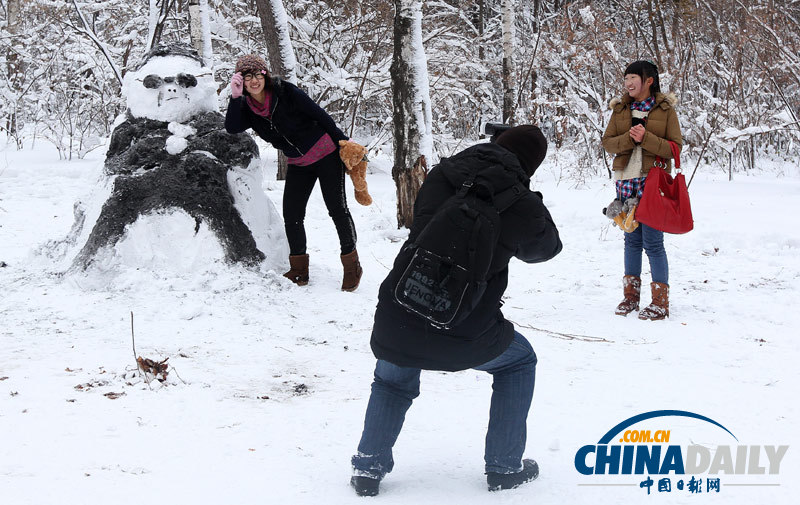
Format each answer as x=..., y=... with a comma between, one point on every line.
x=237, y=85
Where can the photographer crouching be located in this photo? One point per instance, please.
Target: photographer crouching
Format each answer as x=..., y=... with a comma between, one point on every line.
x=439, y=307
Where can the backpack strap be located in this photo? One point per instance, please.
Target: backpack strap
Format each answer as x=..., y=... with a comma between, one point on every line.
x=502, y=200
x=506, y=198
x=468, y=184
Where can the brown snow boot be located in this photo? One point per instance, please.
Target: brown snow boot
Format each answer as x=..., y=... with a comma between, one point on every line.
x=659, y=308
x=352, y=271
x=298, y=269
x=631, y=288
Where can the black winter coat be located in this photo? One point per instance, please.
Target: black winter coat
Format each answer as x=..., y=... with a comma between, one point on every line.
x=528, y=233
x=295, y=124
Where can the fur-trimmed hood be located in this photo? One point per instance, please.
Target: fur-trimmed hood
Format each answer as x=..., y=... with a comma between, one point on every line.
x=664, y=101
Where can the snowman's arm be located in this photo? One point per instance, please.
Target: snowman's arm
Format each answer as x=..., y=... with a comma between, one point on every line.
x=236, y=121
x=238, y=149
x=121, y=139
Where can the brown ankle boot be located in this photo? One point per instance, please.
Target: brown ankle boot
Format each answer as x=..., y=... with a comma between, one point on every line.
x=352, y=271
x=631, y=288
x=659, y=308
x=298, y=269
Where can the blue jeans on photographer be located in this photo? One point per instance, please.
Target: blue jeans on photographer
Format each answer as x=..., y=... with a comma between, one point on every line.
x=394, y=388
x=652, y=241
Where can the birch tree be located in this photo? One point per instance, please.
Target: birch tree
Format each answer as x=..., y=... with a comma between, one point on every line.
x=413, y=144
x=275, y=24
x=200, y=30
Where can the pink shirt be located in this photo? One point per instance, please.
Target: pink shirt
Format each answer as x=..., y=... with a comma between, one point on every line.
x=322, y=148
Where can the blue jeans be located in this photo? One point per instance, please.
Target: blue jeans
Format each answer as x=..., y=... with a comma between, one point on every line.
x=652, y=241
x=395, y=387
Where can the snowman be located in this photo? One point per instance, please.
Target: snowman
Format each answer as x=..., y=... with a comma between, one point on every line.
x=171, y=158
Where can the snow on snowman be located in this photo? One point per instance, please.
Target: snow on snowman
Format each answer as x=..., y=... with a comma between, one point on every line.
x=176, y=187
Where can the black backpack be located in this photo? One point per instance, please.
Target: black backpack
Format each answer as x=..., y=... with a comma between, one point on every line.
x=444, y=269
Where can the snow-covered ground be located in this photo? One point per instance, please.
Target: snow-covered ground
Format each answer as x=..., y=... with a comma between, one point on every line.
x=269, y=382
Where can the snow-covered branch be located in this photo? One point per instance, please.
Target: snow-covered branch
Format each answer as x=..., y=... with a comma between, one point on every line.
x=89, y=32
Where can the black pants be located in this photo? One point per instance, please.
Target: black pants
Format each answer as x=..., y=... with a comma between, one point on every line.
x=299, y=183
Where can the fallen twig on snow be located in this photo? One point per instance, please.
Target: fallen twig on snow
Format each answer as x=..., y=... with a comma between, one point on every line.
x=379, y=261
x=565, y=336
x=175, y=371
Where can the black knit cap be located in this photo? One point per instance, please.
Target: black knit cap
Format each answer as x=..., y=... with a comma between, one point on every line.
x=528, y=143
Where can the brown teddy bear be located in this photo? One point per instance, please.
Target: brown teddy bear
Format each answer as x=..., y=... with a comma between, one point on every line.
x=354, y=157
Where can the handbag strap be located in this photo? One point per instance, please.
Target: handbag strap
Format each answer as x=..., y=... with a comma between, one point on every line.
x=676, y=155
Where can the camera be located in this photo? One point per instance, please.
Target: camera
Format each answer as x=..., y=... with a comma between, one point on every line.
x=493, y=130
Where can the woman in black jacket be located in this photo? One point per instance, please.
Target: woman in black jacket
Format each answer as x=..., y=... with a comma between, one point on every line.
x=283, y=115
x=404, y=343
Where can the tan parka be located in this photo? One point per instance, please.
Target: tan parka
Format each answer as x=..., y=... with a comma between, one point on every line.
x=662, y=126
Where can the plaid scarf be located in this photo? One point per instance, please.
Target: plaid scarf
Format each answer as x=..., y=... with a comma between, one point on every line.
x=630, y=188
x=644, y=105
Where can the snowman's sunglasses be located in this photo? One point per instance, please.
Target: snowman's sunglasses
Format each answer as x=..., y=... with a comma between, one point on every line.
x=154, y=81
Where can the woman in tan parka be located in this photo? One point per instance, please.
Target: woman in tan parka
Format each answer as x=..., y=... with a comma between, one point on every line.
x=642, y=125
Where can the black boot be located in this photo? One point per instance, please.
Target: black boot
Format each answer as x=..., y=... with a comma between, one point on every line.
x=498, y=481
x=365, y=486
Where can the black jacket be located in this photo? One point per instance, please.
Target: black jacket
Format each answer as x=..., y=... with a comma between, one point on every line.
x=528, y=233
x=295, y=124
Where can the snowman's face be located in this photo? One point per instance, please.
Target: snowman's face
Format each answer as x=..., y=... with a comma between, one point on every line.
x=170, y=88
x=173, y=94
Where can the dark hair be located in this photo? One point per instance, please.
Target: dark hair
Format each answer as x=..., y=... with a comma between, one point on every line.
x=645, y=69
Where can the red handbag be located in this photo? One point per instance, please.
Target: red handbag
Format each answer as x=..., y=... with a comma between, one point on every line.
x=665, y=201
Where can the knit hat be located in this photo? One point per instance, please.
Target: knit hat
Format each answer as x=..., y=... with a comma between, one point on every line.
x=528, y=143
x=251, y=63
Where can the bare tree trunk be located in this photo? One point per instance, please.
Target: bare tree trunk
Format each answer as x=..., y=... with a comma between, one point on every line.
x=14, y=11
x=412, y=110
x=508, y=61
x=654, y=28
x=275, y=26
x=156, y=20
x=481, y=23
